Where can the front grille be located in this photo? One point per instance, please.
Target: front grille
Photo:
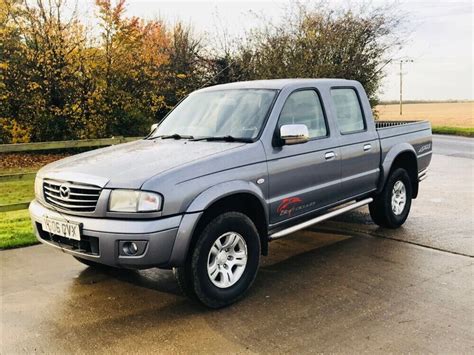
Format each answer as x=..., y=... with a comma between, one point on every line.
x=71, y=196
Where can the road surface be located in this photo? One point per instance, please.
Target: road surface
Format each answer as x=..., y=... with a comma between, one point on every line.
x=442, y=215
x=453, y=146
x=344, y=286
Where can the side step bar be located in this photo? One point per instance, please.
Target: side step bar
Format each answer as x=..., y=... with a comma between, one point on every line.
x=422, y=175
x=321, y=218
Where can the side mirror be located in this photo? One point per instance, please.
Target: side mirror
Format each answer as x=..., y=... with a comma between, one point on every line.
x=153, y=127
x=294, y=133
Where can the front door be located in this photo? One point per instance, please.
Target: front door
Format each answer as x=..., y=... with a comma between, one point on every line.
x=303, y=177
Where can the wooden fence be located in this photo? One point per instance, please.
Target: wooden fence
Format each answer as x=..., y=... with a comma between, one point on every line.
x=46, y=146
x=85, y=143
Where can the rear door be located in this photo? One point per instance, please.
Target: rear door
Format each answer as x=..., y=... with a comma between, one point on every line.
x=303, y=177
x=359, y=144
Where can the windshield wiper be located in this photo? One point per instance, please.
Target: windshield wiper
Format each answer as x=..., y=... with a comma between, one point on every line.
x=223, y=138
x=175, y=136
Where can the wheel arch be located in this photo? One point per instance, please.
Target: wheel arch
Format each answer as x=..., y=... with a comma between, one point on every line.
x=401, y=156
x=239, y=196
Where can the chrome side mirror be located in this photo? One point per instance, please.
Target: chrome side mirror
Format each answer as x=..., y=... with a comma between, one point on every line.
x=153, y=127
x=294, y=133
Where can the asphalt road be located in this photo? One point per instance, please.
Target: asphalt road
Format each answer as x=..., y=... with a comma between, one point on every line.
x=461, y=147
x=345, y=286
x=442, y=215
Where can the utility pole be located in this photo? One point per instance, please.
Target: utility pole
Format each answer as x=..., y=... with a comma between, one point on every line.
x=401, y=81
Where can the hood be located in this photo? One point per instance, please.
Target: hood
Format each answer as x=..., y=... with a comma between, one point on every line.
x=129, y=165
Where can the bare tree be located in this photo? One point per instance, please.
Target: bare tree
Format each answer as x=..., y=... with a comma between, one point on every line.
x=317, y=41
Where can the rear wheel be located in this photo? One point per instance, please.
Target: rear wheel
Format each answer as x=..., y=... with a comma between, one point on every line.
x=224, y=262
x=391, y=207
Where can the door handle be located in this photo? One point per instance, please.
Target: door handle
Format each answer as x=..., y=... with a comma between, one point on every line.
x=329, y=155
x=367, y=147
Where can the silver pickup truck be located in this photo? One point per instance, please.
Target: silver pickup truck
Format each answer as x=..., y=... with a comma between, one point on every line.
x=229, y=169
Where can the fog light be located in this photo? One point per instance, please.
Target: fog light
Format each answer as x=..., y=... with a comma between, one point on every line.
x=130, y=248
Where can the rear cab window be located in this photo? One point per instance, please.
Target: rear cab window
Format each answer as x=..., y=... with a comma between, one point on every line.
x=348, y=111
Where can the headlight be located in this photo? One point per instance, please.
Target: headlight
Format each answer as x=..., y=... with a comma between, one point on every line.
x=148, y=201
x=38, y=187
x=134, y=201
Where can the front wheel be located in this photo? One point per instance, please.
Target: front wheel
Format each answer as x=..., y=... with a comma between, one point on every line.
x=391, y=207
x=224, y=262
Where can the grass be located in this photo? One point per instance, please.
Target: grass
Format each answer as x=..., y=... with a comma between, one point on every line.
x=15, y=227
x=458, y=131
x=16, y=230
x=16, y=191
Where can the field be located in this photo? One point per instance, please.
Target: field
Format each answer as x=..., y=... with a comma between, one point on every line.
x=444, y=114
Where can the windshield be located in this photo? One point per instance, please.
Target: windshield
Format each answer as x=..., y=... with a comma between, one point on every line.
x=235, y=113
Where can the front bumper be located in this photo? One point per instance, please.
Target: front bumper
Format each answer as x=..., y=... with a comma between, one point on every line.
x=101, y=238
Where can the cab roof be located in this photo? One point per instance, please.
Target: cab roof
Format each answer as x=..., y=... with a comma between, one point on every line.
x=277, y=84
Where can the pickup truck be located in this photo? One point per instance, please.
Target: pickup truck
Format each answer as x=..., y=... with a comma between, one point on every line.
x=229, y=169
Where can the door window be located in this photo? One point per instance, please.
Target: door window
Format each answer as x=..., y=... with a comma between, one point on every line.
x=348, y=111
x=304, y=107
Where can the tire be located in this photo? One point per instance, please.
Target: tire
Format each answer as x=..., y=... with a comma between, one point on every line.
x=184, y=279
x=381, y=209
x=217, y=277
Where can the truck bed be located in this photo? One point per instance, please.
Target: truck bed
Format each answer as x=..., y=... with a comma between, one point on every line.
x=414, y=133
x=388, y=129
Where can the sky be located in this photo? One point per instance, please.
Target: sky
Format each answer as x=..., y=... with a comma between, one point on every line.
x=438, y=38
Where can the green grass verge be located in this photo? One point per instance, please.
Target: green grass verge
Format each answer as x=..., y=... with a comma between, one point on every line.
x=17, y=191
x=16, y=230
x=458, y=131
x=15, y=227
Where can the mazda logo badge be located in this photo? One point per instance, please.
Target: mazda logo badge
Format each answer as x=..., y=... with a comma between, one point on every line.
x=64, y=191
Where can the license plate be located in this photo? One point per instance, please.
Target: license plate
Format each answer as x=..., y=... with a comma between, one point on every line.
x=62, y=228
